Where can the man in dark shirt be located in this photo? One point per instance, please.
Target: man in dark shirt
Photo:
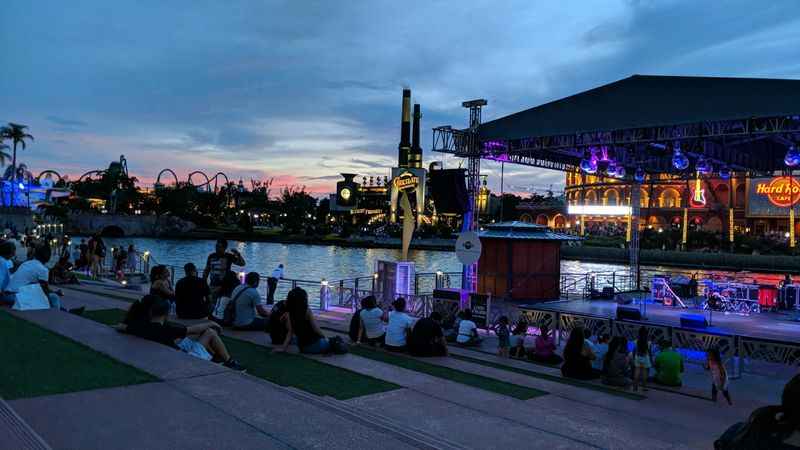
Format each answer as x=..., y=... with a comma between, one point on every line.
x=219, y=263
x=207, y=345
x=192, y=295
x=427, y=338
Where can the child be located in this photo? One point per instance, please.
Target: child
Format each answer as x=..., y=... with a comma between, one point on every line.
x=719, y=376
x=503, y=337
x=517, y=339
x=641, y=360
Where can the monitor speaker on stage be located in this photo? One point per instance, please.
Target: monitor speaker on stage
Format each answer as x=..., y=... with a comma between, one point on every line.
x=628, y=313
x=449, y=190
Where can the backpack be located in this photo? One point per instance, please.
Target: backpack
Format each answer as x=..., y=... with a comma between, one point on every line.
x=277, y=328
x=338, y=346
x=355, y=324
x=229, y=316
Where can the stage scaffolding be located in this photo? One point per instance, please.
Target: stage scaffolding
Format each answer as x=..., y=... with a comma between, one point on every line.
x=752, y=145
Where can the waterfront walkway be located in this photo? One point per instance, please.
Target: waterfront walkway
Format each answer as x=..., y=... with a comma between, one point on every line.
x=471, y=400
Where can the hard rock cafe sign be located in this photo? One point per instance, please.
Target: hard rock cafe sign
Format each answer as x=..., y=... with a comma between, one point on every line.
x=406, y=181
x=780, y=191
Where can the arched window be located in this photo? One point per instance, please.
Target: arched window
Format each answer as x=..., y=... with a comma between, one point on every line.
x=611, y=197
x=644, y=199
x=721, y=192
x=740, y=196
x=541, y=219
x=590, y=198
x=559, y=221
x=669, y=198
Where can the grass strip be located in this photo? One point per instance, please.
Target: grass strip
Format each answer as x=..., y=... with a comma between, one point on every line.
x=458, y=376
x=285, y=369
x=304, y=373
x=554, y=378
x=37, y=361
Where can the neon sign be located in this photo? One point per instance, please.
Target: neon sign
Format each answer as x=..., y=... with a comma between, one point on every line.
x=406, y=181
x=780, y=191
x=698, y=199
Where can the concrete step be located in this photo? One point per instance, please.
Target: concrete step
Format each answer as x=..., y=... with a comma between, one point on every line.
x=16, y=433
x=412, y=436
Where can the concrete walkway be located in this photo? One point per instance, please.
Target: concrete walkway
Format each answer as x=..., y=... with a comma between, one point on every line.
x=203, y=405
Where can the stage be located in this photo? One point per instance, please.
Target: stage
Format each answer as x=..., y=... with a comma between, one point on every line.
x=780, y=326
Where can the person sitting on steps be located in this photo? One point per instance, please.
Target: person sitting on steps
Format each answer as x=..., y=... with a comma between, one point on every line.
x=300, y=323
x=371, y=324
x=35, y=271
x=192, y=295
x=251, y=313
x=426, y=338
x=399, y=327
x=201, y=340
x=468, y=331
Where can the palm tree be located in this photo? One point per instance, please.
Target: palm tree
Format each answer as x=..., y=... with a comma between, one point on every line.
x=17, y=134
x=4, y=155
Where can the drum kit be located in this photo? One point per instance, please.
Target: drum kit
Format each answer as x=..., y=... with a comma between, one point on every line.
x=731, y=298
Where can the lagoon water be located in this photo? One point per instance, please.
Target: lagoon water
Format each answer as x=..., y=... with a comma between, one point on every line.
x=313, y=262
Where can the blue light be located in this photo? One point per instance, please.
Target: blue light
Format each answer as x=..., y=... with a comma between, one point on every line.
x=679, y=160
x=639, y=174
x=792, y=156
x=21, y=186
x=704, y=167
x=725, y=172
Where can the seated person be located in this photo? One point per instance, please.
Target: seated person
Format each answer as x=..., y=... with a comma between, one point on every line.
x=399, y=327
x=517, y=340
x=229, y=282
x=300, y=323
x=61, y=272
x=206, y=345
x=467, y=330
x=7, y=252
x=371, y=324
x=192, y=295
x=617, y=363
x=578, y=357
x=427, y=338
x=160, y=282
x=600, y=349
x=251, y=313
x=544, y=348
x=35, y=271
x=668, y=365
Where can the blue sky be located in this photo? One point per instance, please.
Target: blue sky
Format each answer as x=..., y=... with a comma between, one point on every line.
x=303, y=90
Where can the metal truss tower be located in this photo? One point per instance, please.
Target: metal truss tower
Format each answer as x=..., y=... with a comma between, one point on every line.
x=469, y=278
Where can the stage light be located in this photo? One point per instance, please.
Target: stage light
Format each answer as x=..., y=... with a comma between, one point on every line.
x=621, y=172
x=639, y=174
x=598, y=210
x=589, y=166
x=21, y=186
x=679, y=160
x=703, y=166
x=792, y=156
x=725, y=172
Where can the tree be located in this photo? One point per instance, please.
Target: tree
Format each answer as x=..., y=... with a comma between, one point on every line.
x=297, y=208
x=17, y=135
x=4, y=155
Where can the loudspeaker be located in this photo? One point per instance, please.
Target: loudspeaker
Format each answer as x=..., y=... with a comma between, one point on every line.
x=628, y=313
x=449, y=190
x=447, y=294
x=694, y=321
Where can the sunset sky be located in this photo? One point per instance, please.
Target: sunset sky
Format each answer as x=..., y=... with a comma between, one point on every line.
x=303, y=90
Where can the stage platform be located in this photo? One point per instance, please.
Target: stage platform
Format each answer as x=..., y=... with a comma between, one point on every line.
x=780, y=326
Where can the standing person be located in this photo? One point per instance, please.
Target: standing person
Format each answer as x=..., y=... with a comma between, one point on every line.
x=600, y=349
x=641, y=360
x=503, y=337
x=250, y=311
x=133, y=259
x=84, y=249
x=399, y=327
x=300, y=322
x=468, y=330
x=76, y=258
x=719, y=376
x=272, y=283
x=427, y=338
x=219, y=263
x=192, y=295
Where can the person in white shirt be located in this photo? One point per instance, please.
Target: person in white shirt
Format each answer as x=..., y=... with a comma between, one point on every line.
x=7, y=250
x=34, y=271
x=467, y=330
x=371, y=327
x=399, y=327
x=272, y=283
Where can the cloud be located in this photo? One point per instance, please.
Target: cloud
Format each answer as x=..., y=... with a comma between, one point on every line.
x=312, y=89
